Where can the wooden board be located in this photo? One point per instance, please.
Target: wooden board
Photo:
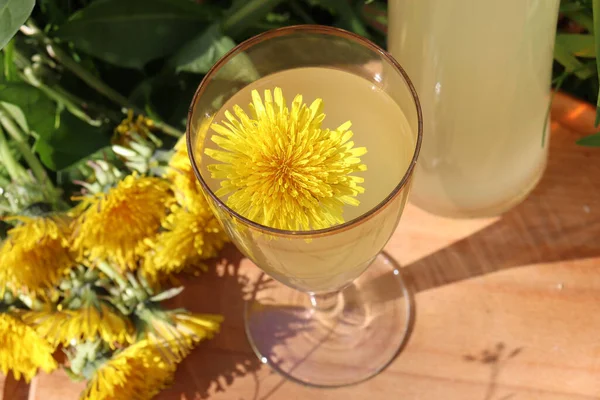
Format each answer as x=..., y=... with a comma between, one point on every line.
x=506, y=308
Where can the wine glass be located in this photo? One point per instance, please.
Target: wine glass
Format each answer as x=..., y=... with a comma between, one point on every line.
x=337, y=311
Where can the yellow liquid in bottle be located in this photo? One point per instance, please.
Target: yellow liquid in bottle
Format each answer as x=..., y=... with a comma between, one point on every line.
x=484, y=85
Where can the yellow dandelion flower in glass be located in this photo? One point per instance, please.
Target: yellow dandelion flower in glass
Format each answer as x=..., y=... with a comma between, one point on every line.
x=280, y=168
x=113, y=225
x=35, y=254
x=137, y=373
x=84, y=324
x=190, y=236
x=180, y=331
x=22, y=351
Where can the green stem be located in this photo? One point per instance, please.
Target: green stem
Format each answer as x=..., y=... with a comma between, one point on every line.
x=9, y=68
x=139, y=292
x=15, y=170
x=32, y=302
x=74, y=104
x=90, y=79
x=248, y=13
x=113, y=274
x=102, y=88
x=21, y=141
x=167, y=129
x=60, y=96
x=121, y=307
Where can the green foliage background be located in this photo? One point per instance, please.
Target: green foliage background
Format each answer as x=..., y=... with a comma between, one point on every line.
x=70, y=72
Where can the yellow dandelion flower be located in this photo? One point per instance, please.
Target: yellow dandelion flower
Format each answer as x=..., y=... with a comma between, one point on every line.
x=180, y=331
x=180, y=173
x=85, y=324
x=35, y=254
x=113, y=225
x=130, y=126
x=190, y=236
x=281, y=169
x=22, y=351
x=190, y=233
x=137, y=373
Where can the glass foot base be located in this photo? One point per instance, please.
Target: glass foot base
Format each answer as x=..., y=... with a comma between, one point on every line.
x=348, y=343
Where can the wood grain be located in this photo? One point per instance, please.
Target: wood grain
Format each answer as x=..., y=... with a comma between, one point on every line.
x=506, y=308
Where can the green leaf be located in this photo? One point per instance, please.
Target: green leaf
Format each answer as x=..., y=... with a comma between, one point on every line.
x=72, y=141
x=53, y=11
x=14, y=151
x=245, y=13
x=566, y=7
x=590, y=141
x=324, y=5
x=129, y=33
x=13, y=13
x=596, y=10
x=38, y=109
x=348, y=18
x=202, y=52
x=583, y=19
x=578, y=45
x=17, y=114
x=277, y=18
x=172, y=109
x=571, y=63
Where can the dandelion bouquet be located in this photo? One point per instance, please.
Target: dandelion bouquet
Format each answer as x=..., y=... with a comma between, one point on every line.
x=88, y=278
x=98, y=204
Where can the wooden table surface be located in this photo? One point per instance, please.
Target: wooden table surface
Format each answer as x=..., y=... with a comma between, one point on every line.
x=506, y=308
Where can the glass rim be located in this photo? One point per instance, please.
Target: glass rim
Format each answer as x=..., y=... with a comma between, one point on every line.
x=326, y=30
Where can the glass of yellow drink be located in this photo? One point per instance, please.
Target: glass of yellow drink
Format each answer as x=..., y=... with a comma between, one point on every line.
x=337, y=311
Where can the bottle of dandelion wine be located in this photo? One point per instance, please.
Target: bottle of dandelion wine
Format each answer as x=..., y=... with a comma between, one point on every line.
x=482, y=69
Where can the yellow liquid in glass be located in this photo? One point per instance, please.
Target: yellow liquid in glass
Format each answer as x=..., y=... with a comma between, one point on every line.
x=484, y=85
x=329, y=262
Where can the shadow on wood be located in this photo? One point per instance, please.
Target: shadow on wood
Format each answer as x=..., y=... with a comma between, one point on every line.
x=560, y=220
x=496, y=359
x=215, y=364
x=15, y=389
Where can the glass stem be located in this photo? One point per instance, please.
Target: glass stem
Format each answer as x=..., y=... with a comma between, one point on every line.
x=325, y=302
